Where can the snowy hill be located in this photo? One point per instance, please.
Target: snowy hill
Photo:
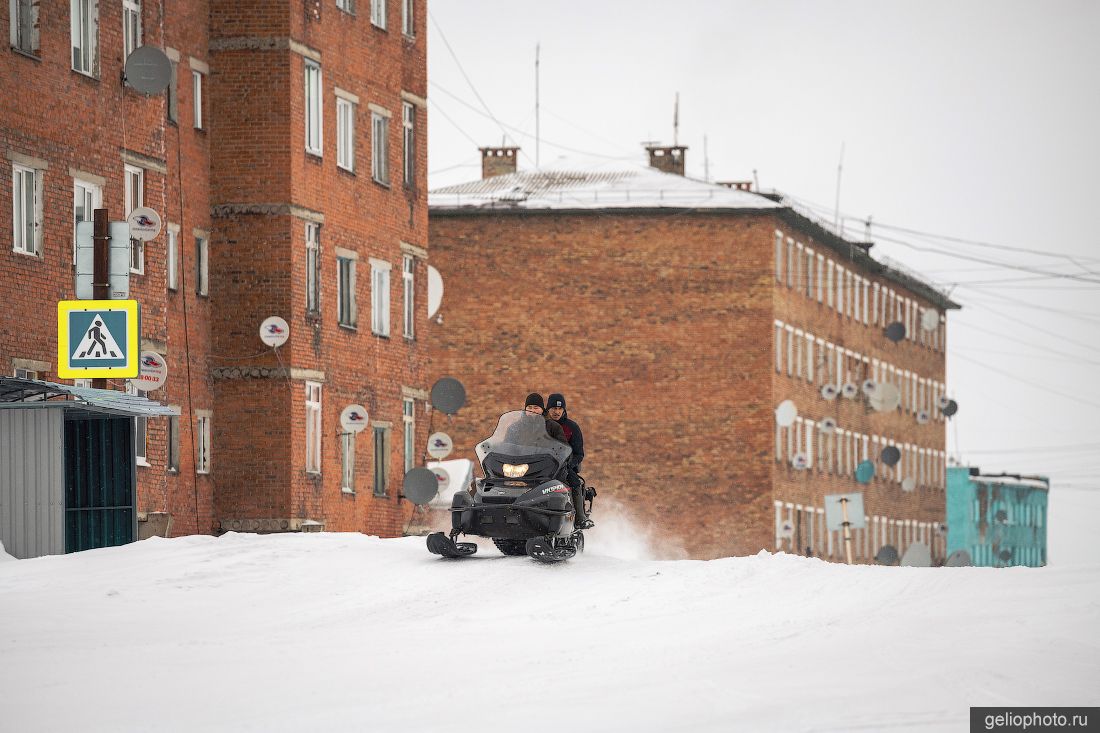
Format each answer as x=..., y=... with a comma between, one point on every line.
x=345, y=632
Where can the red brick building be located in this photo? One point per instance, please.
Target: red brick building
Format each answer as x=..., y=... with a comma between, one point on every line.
x=676, y=315
x=288, y=162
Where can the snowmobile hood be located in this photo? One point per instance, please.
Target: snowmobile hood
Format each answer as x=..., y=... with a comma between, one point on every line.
x=520, y=433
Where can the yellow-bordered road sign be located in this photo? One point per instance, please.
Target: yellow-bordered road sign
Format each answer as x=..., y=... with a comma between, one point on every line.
x=97, y=338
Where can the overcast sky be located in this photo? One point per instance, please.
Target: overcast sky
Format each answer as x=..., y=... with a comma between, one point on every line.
x=972, y=120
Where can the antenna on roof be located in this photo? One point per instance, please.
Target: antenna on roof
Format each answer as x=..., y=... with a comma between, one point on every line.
x=676, y=121
x=537, y=139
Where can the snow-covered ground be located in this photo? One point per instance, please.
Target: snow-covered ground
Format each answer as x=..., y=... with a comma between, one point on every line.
x=344, y=632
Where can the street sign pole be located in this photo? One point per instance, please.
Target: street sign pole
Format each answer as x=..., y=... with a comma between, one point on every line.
x=101, y=280
x=847, y=529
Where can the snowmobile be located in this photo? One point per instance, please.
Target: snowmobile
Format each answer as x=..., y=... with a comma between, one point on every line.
x=521, y=504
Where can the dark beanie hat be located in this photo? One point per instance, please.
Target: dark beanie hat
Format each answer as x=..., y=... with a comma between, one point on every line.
x=535, y=399
x=556, y=400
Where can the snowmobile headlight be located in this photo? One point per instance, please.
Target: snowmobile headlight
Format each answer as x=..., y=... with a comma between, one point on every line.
x=515, y=471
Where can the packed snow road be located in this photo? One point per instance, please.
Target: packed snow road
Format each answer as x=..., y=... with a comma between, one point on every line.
x=345, y=632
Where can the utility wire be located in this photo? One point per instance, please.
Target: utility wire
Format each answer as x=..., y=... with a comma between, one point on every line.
x=1075, y=398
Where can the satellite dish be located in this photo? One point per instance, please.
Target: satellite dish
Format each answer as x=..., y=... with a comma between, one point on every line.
x=828, y=426
x=274, y=331
x=849, y=390
x=800, y=461
x=353, y=419
x=929, y=319
x=829, y=392
x=886, y=398
x=1001, y=516
x=448, y=395
x=958, y=559
x=144, y=224
x=887, y=555
x=869, y=387
x=895, y=331
x=942, y=401
x=917, y=556
x=1005, y=555
x=786, y=530
x=443, y=478
x=786, y=413
x=420, y=485
x=865, y=471
x=940, y=529
x=923, y=417
x=440, y=446
x=148, y=70
x=908, y=484
x=951, y=409
x=890, y=455
x=435, y=291
x=152, y=372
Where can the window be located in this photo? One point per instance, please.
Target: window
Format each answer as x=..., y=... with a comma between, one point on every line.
x=809, y=273
x=172, y=256
x=26, y=210
x=408, y=18
x=790, y=262
x=84, y=31
x=778, y=256
x=378, y=13
x=313, y=107
x=409, y=418
x=381, y=459
x=348, y=6
x=408, y=125
x=778, y=338
x=131, y=27
x=135, y=198
x=202, y=441
x=21, y=373
x=829, y=282
x=347, y=462
x=313, y=427
x=87, y=197
x=380, y=131
x=173, y=457
x=345, y=291
x=173, y=94
x=380, y=297
x=313, y=268
x=202, y=266
x=408, y=271
x=196, y=87
x=141, y=425
x=345, y=134
x=24, y=25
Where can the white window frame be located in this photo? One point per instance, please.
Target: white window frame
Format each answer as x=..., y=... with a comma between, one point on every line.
x=314, y=112
x=408, y=141
x=345, y=134
x=131, y=27
x=313, y=268
x=408, y=18
x=202, y=265
x=134, y=198
x=378, y=13
x=381, y=434
x=84, y=36
x=172, y=444
x=830, y=267
x=348, y=6
x=347, y=462
x=202, y=441
x=196, y=98
x=408, y=419
x=380, y=297
x=24, y=373
x=22, y=201
x=408, y=280
x=313, y=427
x=87, y=196
x=380, y=147
x=172, y=256
x=24, y=26
x=141, y=432
x=778, y=256
x=347, y=311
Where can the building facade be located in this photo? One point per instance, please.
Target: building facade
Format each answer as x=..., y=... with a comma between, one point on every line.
x=998, y=520
x=676, y=315
x=287, y=159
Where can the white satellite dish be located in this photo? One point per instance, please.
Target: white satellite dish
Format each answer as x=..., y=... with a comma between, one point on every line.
x=909, y=484
x=354, y=419
x=829, y=392
x=923, y=417
x=800, y=461
x=886, y=398
x=828, y=426
x=917, y=556
x=929, y=319
x=440, y=446
x=435, y=291
x=274, y=331
x=443, y=477
x=786, y=530
x=849, y=391
x=786, y=413
x=869, y=386
x=942, y=401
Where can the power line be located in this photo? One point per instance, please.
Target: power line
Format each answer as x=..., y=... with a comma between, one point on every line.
x=1033, y=449
x=1075, y=398
x=1093, y=318
x=1014, y=337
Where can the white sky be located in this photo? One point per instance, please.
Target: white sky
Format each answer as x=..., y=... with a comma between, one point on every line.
x=975, y=120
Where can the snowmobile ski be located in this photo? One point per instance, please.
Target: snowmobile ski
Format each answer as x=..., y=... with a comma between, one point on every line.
x=441, y=544
x=546, y=550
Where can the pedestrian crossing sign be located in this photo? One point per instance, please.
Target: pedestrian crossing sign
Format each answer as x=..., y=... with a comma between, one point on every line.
x=97, y=338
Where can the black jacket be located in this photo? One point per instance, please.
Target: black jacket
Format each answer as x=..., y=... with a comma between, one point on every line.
x=575, y=439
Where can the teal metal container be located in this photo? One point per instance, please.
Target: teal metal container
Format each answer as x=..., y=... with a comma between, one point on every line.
x=1000, y=520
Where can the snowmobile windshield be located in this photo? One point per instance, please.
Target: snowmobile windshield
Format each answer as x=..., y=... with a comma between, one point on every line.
x=520, y=433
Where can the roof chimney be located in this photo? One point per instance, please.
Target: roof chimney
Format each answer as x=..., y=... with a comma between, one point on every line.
x=667, y=158
x=498, y=161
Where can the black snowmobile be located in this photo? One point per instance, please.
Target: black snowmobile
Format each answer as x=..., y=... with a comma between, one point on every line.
x=521, y=504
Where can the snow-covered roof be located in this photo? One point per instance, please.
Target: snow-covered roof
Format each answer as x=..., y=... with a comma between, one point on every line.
x=1031, y=482
x=571, y=183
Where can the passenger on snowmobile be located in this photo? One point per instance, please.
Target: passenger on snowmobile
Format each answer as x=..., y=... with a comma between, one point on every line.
x=555, y=411
x=534, y=406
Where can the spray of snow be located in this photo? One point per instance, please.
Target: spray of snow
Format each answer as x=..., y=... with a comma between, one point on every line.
x=620, y=535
